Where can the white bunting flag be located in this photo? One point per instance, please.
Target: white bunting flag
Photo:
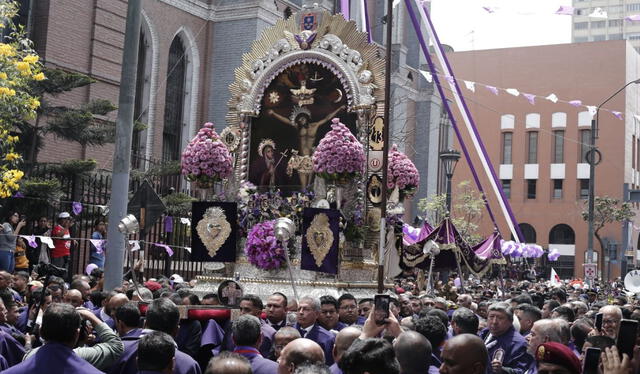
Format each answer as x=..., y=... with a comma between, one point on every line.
x=471, y=86
x=553, y=98
x=513, y=91
x=395, y=3
x=47, y=240
x=135, y=245
x=185, y=221
x=598, y=13
x=592, y=110
x=188, y=249
x=427, y=75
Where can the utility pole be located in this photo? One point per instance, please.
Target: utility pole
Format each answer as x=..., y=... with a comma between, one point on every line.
x=116, y=243
x=385, y=149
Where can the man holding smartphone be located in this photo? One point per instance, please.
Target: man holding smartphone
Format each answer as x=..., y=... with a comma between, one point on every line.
x=611, y=317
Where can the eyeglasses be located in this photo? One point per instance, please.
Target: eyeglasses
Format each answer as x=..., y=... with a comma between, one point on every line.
x=610, y=321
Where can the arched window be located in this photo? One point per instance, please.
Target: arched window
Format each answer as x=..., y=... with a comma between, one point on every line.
x=562, y=234
x=528, y=232
x=174, y=101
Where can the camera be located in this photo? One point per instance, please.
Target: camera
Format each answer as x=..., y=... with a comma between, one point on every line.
x=45, y=270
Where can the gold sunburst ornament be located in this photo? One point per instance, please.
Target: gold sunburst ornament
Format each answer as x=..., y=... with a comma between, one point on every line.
x=213, y=229
x=319, y=237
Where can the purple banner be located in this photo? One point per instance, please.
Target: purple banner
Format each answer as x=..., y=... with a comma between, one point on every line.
x=320, y=239
x=344, y=9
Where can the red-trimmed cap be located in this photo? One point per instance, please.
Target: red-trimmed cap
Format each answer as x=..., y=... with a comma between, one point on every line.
x=559, y=354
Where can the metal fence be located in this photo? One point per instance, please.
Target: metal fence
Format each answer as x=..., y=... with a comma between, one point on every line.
x=93, y=192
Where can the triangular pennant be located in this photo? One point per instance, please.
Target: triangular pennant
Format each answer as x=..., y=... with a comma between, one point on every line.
x=426, y=75
x=492, y=89
x=471, y=86
x=553, y=98
x=598, y=13
x=530, y=98
x=513, y=91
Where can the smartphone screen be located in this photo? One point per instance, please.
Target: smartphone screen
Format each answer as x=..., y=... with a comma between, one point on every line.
x=381, y=309
x=591, y=361
x=599, y=321
x=627, y=336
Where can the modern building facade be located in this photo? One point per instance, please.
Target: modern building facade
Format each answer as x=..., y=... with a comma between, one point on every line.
x=587, y=27
x=539, y=150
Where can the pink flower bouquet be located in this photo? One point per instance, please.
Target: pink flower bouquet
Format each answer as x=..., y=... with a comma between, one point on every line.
x=339, y=155
x=206, y=158
x=402, y=173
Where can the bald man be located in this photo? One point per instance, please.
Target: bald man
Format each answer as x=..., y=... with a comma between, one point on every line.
x=413, y=352
x=299, y=351
x=345, y=337
x=464, y=354
x=73, y=297
x=228, y=363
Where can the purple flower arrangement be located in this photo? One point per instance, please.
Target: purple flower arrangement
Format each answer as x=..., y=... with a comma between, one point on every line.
x=206, y=158
x=262, y=248
x=402, y=173
x=339, y=155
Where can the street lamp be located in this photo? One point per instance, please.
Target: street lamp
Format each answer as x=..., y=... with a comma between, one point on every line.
x=593, y=161
x=449, y=160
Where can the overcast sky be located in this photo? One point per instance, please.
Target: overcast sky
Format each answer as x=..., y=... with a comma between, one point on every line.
x=464, y=25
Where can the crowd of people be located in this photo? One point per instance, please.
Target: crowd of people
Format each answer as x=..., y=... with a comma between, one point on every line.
x=48, y=325
x=52, y=322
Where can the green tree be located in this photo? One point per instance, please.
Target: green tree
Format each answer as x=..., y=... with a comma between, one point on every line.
x=19, y=67
x=607, y=210
x=468, y=207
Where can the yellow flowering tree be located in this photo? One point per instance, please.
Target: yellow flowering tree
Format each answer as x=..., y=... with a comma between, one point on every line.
x=19, y=68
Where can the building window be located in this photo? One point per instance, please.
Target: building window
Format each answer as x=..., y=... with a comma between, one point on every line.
x=585, y=140
x=531, y=188
x=532, y=147
x=633, y=7
x=581, y=39
x=616, y=37
x=598, y=24
x=615, y=22
x=599, y=38
x=615, y=9
x=506, y=187
x=584, y=188
x=558, y=147
x=507, y=141
x=562, y=234
x=581, y=25
x=557, y=189
x=174, y=101
x=634, y=36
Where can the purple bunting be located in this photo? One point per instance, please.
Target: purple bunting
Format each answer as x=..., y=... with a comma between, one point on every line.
x=565, y=10
x=76, y=207
x=633, y=18
x=166, y=248
x=168, y=224
x=618, y=115
x=18, y=195
x=530, y=98
x=31, y=240
x=344, y=9
x=575, y=103
x=98, y=244
x=492, y=89
x=489, y=9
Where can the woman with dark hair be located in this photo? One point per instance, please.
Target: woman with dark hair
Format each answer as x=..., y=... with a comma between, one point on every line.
x=9, y=232
x=374, y=356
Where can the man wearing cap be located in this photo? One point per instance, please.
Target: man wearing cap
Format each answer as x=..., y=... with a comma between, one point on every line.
x=61, y=241
x=556, y=358
x=507, y=348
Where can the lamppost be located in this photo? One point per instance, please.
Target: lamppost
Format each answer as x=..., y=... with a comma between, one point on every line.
x=593, y=158
x=449, y=160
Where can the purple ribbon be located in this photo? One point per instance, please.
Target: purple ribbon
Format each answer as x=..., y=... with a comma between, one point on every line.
x=492, y=89
x=76, y=207
x=530, y=98
x=618, y=115
x=31, y=240
x=492, y=172
x=575, y=103
x=344, y=9
x=166, y=248
x=168, y=224
x=99, y=244
x=18, y=195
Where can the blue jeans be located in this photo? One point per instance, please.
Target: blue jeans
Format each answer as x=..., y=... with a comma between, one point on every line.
x=7, y=261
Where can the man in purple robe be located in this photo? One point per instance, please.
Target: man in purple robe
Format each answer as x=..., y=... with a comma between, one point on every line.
x=162, y=315
x=127, y=319
x=60, y=329
x=247, y=335
x=308, y=312
x=277, y=310
x=251, y=304
x=328, y=317
x=156, y=352
x=507, y=348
